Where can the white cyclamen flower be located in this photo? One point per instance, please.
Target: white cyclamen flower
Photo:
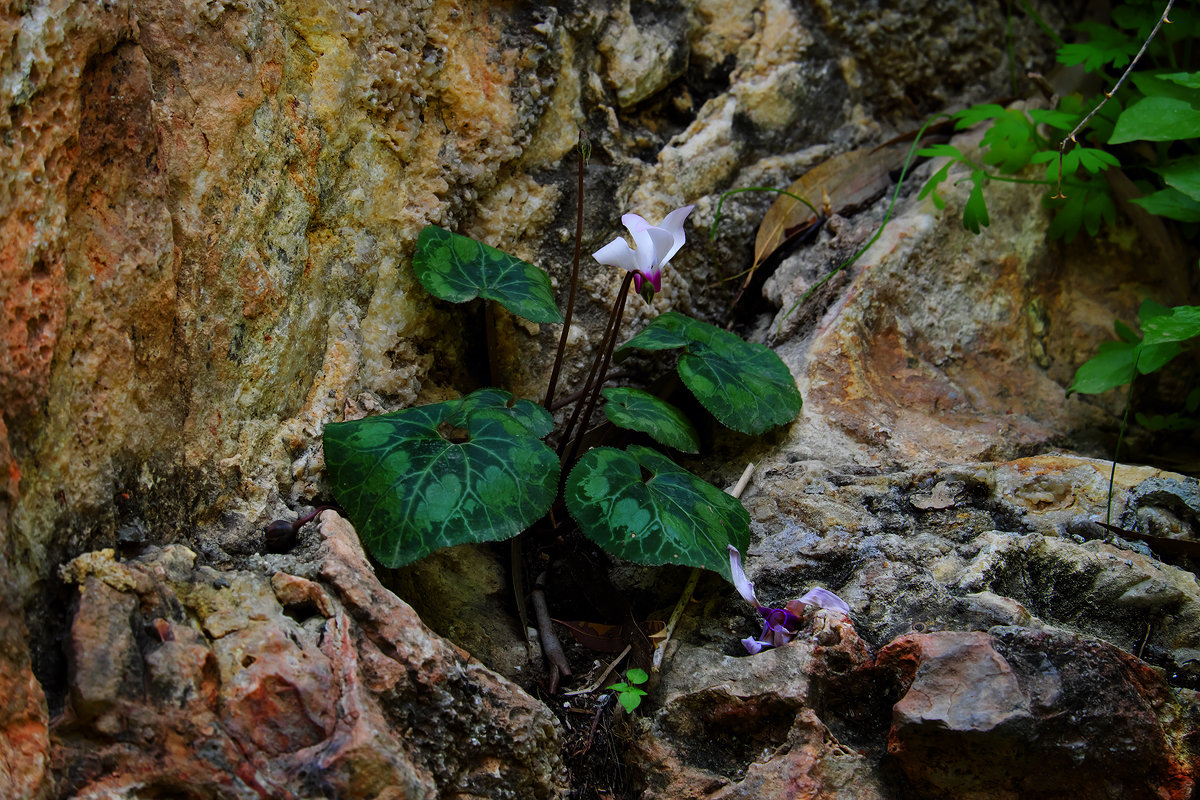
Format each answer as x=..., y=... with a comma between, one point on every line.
x=654, y=247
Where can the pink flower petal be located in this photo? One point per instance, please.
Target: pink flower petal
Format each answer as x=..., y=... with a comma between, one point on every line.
x=823, y=598
x=740, y=582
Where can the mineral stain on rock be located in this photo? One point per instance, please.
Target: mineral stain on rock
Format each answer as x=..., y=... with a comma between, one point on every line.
x=208, y=215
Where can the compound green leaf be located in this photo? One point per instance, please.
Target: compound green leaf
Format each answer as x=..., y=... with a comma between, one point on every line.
x=668, y=517
x=458, y=268
x=1106, y=45
x=467, y=470
x=975, y=213
x=931, y=186
x=973, y=115
x=642, y=411
x=744, y=385
x=1010, y=142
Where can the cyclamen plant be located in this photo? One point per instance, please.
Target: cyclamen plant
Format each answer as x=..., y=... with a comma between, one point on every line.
x=655, y=247
x=780, y=625
x=476, y=469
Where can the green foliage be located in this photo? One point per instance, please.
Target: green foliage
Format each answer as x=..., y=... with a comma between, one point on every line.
x=629, y=693
x=1172, y=204
x=1158, y=119
x=1105, y=47
x=744, y=385
x=1080, y=141
x=475, y=469
x=1117, y=363
x=642, y=506
x=458, y=268
x=467, y=470
x=1160, y=103
x=641, y=411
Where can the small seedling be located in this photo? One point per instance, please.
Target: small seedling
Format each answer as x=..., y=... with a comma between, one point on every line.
x=629, y=694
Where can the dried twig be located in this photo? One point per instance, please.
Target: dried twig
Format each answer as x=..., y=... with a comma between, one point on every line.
x=550, y=644
x=596, y=684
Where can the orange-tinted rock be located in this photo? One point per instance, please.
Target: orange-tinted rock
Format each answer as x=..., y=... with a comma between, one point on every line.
x=183, y=675
x=1032, y=714
x=745, y=727
x=942, y=344
x=24, y=721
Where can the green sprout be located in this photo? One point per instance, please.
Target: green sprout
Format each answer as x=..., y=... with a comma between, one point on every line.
x=629, y=694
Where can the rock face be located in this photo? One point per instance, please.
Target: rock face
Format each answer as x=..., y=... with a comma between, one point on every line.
x=1020, y=713
x=207, y=212
x=194, y=682
x=746, y=728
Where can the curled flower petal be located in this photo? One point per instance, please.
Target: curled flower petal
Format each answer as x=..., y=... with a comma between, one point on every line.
x=754, y=646
x=740, y=582
x=617, y=253
x=823, y=598
x=634, y=223
x=654, y=246
x=673, y=224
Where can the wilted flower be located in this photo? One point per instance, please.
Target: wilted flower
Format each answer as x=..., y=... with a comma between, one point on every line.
x=780, y=625
x=654, y=247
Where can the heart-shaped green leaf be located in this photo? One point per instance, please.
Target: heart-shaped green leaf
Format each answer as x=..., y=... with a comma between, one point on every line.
x=669, y=517
x=458, y=268
x=642, y=411
x=467, y=470
x=745, y=385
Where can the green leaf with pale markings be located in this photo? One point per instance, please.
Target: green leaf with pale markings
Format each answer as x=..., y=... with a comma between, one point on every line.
x=642, y=411
x=745, y=385
x=642, y=506
x=458, y=268
x=467, y=470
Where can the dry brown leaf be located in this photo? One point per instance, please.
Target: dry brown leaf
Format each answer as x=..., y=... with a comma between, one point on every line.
x=607, y=638
x=844, y=183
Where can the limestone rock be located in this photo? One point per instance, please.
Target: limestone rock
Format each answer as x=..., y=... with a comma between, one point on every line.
x=1016, y=713
x=24, y=721
x=745, y=727
x=207, y=213
x=240, y=683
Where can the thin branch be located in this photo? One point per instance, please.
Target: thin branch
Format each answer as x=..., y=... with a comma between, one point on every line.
x=1062, y=147
x=562, y=339
x=596, y=684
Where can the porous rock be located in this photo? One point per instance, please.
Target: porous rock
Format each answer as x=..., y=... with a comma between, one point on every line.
x=745, y=727
x=237, y=683
x=1016, y=713
x=208, y=212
